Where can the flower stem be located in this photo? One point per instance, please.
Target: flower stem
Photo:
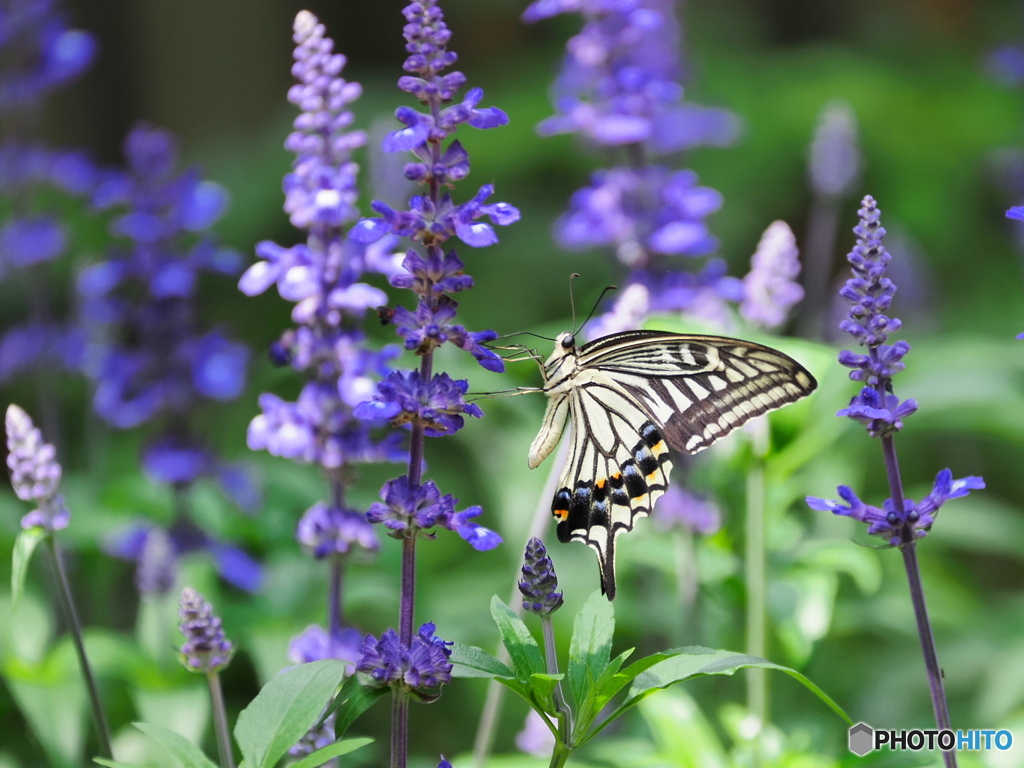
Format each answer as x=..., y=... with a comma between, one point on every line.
x=334, y=595
x=551, y=664
x=924, y=627
x=400, y=700
x=337, y=562
x=399, y=728
x=931, y=658
x=757, y=679
x=67, y=605
x=220, y=721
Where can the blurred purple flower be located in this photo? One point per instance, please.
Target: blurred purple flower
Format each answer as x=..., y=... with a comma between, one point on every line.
x=324, y=531
x=206, y=649
x=152, y=360
x=641, y=213
x=621, y=79
x=39, y=53
x=316, y=643
x=35, y=472
x=157, y=568
x=770, y=288
x=680, y=508
x=835, y=160
x=232, y=564
x=535, y=738
x=42, y=346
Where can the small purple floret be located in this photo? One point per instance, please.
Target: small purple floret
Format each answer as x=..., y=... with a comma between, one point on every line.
x=421, y=669
x=899, y=528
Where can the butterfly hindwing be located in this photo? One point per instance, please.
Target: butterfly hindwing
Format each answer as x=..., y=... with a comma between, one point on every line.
x=632, y=396
x=614, y=474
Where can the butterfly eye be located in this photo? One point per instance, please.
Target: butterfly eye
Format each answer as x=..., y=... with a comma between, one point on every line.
x=569, y=341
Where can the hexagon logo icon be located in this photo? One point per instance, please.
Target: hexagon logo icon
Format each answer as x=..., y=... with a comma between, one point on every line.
x=861, y=739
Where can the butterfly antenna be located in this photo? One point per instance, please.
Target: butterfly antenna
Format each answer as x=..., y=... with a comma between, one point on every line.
x=592, y=311
x=517, y=333
x=572, y=300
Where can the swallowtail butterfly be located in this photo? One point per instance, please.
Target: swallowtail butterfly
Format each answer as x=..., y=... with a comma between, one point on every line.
x=632, y=397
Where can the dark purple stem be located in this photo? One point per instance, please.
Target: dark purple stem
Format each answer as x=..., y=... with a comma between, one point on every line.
x=399, y=729
x=334, y=595
x=924, y=627
x=337, y=563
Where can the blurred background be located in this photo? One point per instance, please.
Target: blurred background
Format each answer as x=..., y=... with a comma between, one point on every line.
x=940, y=134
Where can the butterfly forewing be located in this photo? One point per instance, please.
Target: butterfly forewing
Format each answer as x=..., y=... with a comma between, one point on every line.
x=631, y=396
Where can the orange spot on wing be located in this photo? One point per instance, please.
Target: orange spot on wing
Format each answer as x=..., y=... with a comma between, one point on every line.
x=600, y=483
x=561, y=514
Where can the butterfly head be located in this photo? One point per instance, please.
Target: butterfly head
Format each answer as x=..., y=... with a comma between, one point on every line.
x=566, y=341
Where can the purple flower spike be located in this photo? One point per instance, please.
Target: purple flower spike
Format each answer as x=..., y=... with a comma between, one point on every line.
x=35, y=473
x=206, y=649
x=869, y=293
x=539, y=584
x=420, y=669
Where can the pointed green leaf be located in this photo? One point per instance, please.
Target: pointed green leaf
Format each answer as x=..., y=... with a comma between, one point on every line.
x=284, y=709
x=112, y=763
x=470, y=661
x=352, y=700
x=24, y=545
x=698, y=662
x=590, y=650
x=522, y=648
x=330, y=752
x=187, y=753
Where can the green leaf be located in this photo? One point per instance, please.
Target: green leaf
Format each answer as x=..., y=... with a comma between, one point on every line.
x=352, y=700
x=112, y=763
x=184, y=750
x=688, y=663
x=522, y=648
x=331, y=751
x=542, y=688
x=24, y=545
x=470, y=661
x=590, y=650
x=52, y=699
x=284, y=709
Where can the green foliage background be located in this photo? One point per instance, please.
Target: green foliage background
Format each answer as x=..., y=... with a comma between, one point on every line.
x=932, y=124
